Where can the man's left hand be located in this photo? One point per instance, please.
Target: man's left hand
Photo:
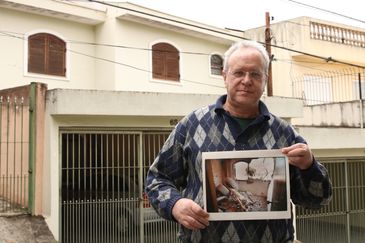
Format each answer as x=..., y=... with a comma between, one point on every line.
x=299, y=155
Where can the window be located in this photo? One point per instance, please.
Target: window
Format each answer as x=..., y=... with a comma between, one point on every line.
x=356, y=89
x=216, y=64
x=165, y=62
x=317, y=90
x=46, y=55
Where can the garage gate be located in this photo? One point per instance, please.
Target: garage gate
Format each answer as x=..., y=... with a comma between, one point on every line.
x=343, y=220
x=103, y=176
x=102, y=199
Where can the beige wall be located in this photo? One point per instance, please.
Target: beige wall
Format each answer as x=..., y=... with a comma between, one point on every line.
x=12, y=60
x=102, y=67
x=194, y=68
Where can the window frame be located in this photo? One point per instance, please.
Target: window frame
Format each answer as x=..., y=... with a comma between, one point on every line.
x=210, y=65
x=41, y=75
x=165, y=81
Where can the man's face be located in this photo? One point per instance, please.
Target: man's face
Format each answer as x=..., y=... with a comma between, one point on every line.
x=245, y=78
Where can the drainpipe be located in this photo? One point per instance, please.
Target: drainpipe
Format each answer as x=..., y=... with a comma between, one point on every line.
x=361, y=105
x=32, y=147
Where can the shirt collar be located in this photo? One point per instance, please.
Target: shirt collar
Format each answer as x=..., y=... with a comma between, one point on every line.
x=264, y=111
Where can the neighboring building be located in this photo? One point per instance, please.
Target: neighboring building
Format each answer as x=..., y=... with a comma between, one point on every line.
x=113, y=81
x=322, y=63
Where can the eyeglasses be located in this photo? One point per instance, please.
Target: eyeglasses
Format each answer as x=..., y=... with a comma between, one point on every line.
x=254, y=75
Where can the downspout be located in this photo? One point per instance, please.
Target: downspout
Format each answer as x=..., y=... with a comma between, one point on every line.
x=361, y=104
x=32, y=146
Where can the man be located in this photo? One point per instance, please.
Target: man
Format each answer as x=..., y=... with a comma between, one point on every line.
x=237, y=121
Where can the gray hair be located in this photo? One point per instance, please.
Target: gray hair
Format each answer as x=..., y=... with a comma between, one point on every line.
x=247, y=44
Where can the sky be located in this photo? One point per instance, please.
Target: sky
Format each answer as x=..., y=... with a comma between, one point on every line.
x=247, y=14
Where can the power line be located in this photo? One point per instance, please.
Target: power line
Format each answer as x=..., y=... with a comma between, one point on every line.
x=140, y=69
x=134, y=48
x=13, y=35
x=328, y=11
x=16, y=35
x=327, y=59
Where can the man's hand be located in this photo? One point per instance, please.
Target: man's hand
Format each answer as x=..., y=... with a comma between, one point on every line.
x=299, y=155
x=190, y=214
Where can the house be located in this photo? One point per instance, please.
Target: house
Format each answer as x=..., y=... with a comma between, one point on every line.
x=106, y=94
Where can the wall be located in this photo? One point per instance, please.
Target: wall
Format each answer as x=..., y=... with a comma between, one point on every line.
x=194, y=66
x=17, y=24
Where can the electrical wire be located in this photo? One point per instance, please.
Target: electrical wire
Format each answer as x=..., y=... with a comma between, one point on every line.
x=141, y=69
x=295, y=62
x=327, y=11
x=227, y=34
x=14, y=35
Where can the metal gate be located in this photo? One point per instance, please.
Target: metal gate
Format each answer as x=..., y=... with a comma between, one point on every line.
x=14, y=144
x=343, y=220
x=103, y=176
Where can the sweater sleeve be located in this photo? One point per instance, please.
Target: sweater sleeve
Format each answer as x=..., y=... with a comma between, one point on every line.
x=310, y=188
x=166, y=176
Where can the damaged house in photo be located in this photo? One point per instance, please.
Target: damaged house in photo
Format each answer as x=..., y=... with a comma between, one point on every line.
x=246, y=185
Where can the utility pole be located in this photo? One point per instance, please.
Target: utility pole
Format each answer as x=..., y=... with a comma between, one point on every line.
x=268, y=49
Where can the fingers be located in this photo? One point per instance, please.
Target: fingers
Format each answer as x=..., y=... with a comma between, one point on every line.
x=299, y=155
x=190, y=214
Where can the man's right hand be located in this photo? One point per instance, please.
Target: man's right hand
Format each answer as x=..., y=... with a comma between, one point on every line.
x=190, y=214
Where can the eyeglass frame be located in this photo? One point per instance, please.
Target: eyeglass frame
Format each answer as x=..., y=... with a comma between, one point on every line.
x=253, y=75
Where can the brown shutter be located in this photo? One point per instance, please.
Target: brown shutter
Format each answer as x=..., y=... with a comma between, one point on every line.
x=46, y=55
x=165, y=62
x=158, y=63
x=56, y=56
x=172, y=65
x=37, y=53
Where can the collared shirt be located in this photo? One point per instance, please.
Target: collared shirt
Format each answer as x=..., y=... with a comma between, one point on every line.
x=176, y=172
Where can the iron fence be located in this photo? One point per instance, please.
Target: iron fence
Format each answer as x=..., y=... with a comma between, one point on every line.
x=103, y=176
x=330, y=87
x=343, y=220
x=14, y=117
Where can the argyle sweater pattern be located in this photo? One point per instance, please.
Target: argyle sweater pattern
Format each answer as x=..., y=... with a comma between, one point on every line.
x=176, y=172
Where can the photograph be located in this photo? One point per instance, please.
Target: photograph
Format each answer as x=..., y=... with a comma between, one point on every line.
x=248, y=185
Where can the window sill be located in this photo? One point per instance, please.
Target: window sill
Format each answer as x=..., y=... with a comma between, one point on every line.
x=44, y=76
x=165, y=81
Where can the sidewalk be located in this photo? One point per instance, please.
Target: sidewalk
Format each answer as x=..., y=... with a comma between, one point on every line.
x=24, y=229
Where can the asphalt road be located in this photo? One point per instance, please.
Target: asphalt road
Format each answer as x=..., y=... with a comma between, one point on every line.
x=24, y=229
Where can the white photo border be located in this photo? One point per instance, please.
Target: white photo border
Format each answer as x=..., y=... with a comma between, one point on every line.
x=274, y=153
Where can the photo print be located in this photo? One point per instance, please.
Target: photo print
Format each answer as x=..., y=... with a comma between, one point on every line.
x=246, y=185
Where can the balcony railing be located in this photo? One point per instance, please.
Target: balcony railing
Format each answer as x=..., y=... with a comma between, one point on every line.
x=337, y=34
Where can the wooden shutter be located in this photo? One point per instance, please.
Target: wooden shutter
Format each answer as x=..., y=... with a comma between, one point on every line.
x=37, y=53
x=158, y=60
x=165, y=62
x=46, y=55
x=56, y=56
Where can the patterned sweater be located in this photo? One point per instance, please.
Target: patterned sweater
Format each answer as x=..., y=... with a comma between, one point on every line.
x=177, y=173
